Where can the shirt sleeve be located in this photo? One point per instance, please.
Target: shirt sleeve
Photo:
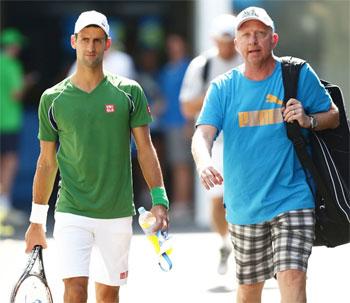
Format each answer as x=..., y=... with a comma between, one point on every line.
x=311, y=92
x=47, y=124
x=211, y=113
x=192, y=85
x=140, y=113
x=15, y=75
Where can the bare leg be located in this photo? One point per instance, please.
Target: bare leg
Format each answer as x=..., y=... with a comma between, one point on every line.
x=218, y=217
x=8, y=168
x=106, y=293
x=182, y=183
x=250, y=293
x=292, y=284
x=221, y=227
x=75, y=290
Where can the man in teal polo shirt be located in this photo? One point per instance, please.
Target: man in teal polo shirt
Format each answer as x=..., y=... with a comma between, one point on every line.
x=92, y=115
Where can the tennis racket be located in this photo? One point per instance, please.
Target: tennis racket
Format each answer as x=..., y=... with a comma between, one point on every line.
x=32, y=286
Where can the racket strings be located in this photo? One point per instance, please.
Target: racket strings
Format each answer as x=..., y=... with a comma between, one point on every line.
x=32, y=290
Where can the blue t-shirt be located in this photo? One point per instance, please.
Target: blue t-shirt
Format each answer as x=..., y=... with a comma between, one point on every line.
x=262, y=174
x=170, y=81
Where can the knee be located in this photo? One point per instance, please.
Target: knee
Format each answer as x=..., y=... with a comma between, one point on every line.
x=75, y=290
x=292, y=284
x=106, y=293
x=108, y=299
x=292, y=277
x=248, y=293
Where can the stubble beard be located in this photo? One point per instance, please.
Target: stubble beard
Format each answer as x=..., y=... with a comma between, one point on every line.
x=91, y=62
x=94, y=63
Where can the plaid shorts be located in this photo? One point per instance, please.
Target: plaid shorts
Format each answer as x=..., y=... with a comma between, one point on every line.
x=262, y=250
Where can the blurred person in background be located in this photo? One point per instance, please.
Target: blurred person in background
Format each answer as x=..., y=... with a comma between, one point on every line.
x=150, y=42
x=177, y=131
x=270, y=208
x=13, y=84
x=147, y=72
x=199, y=74
x=92, y=114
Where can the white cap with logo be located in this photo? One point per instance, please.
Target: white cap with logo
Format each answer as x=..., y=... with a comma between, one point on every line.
x=91, y=18
x=254, y=13
x=223, y=26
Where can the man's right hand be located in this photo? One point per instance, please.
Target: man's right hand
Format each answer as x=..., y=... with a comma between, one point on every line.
x=210, y=177
x=35, y=235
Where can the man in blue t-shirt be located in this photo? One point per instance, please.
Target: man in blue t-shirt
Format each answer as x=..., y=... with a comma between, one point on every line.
x=269, y=206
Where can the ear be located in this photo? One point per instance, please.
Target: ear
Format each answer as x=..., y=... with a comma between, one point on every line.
x=73, y=41
x=236, y=46
x=235, y=42
x=275, y=39
x=108, y=43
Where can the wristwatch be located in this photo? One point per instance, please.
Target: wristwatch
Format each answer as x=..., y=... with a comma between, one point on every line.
x=313, y=122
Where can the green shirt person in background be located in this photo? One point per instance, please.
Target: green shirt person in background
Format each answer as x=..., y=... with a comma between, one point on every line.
x=11, y=91
x=92, y=115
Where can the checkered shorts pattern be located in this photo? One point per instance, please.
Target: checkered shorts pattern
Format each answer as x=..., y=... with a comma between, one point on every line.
x=262, y=250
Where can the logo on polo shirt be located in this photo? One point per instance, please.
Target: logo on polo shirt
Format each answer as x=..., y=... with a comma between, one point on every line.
x=109, y=108
x=123, y=275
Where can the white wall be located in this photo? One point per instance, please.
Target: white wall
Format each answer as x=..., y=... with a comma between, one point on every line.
x=204, y=12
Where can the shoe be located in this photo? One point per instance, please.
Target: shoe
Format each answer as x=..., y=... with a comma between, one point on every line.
x=224, y=254
x=5, y=230
x=16, y=217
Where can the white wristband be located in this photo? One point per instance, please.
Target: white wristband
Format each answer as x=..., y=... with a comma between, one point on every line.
x=39, y=214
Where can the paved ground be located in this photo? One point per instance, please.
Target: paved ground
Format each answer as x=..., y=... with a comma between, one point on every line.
x=193, y=276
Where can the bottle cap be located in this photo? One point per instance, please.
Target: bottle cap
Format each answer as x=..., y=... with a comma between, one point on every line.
x=141, y=210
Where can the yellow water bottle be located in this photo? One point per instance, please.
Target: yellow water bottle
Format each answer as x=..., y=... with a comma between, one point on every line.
x=147, y=222
x=158, y=239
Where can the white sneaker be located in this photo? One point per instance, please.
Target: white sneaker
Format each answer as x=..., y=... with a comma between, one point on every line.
x=224, y=254
x=16, y=217
x=5, y=230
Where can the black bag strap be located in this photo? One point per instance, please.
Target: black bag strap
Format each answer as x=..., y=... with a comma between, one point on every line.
x=290, y=74
x=205, y=72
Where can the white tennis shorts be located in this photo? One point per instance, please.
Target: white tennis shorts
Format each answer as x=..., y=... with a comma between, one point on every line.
x=105, y=241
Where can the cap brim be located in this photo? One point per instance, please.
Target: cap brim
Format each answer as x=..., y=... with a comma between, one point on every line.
x=249, y=19
x=92, y=23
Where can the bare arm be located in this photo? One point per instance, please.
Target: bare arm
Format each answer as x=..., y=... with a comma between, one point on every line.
x=295, y=111
x=28, y=81
x=202, y=144
x=45, y=173
x=191, y=108
x=44, y=179
x=151, y=170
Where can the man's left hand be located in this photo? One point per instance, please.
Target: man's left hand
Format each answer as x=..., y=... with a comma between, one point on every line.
x=294, y=111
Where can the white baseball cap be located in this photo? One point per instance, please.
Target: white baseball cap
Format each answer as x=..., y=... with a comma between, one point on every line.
x=254, y=13
x=91, y=18
x=223, y=26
